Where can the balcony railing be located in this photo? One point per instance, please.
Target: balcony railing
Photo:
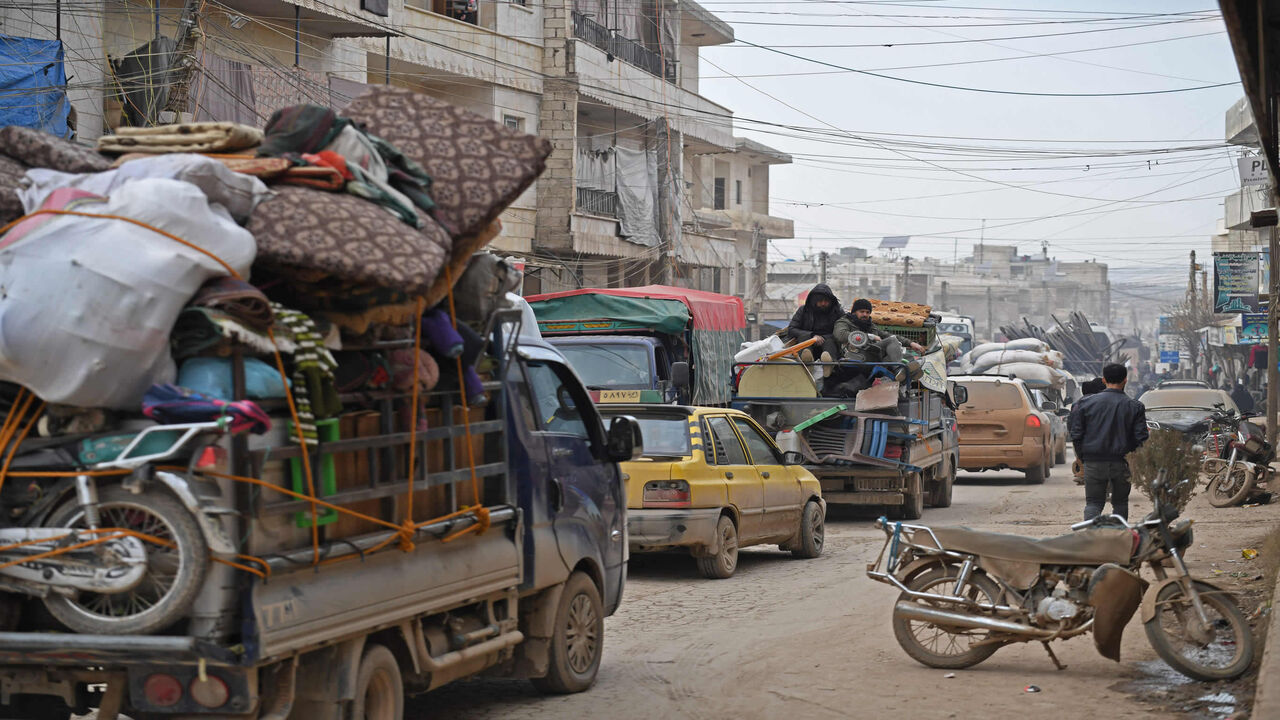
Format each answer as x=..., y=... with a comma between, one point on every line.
x=588, y=30
x=598, y=202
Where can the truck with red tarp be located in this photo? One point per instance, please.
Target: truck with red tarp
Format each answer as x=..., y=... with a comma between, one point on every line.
x=654, y=343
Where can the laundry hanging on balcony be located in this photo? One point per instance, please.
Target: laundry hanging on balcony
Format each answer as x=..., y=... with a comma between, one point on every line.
x=33, y=85
x=637, y=178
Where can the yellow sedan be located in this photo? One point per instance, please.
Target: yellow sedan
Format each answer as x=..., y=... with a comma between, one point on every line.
x=712, y=481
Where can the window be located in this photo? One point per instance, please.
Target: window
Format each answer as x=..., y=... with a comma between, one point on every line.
x=728, y=449
x=664, y=435
x=557, y=406
x=718, y=201
x=524, y=405
x=762, y=452
x=994, y=395
x=737, y=192
x=515, y=122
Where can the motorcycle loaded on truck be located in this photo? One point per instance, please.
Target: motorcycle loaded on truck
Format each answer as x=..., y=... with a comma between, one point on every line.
x=278, y=442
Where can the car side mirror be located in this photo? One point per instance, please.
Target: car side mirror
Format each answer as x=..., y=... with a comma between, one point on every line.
x=1062, y=412
x=680, y=374
x=792, y=457
x=625, y=441
x=960, y=394
x=1049, y=406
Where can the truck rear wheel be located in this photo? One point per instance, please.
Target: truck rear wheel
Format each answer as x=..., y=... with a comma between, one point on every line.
x=912, y=507
x=940, y=496
x=578, y=640
x=379, y=688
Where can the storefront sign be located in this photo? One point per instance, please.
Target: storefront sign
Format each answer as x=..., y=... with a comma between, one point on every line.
x=1235, y=282
x=1253, y=328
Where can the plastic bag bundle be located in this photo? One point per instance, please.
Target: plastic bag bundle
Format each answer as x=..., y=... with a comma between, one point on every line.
x=89, y=301
x=759, y=350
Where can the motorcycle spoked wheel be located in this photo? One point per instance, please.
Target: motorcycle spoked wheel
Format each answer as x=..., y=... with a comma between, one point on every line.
x=1227, y=490
x=1228, y=653
x=939, y=647
x=174, y=574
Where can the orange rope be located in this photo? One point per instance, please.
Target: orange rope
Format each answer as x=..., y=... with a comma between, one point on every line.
x=406, y=536
x=11, y=423
x=462, y=393
x=4, y=470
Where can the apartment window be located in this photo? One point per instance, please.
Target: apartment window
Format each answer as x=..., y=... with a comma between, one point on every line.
x=515, y=122
x=718, y=202
x=737, y=192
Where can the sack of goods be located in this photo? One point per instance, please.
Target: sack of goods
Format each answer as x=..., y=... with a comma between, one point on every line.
x=1005, y=357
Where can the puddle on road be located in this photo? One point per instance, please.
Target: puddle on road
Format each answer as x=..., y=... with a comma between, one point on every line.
x=1164, y=686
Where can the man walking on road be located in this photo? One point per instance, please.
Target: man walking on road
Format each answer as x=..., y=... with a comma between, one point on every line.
x=1104, y=429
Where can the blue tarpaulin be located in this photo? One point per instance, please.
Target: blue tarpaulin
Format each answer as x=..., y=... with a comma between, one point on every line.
x=33, y=84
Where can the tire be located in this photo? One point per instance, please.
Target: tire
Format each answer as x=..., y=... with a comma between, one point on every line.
x=1227, y=491
x=379, y=687
x=724, y=561
x=1226, y=657
x=1035, y=474
x=912, y=507
x=941, y=495
x=578, y=640
x=911, y=642
x=153, y=513
x=813, y=531
x=1060, y=457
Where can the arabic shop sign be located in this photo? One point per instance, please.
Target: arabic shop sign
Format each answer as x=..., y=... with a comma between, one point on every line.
x=1235, y=282
x=1253, y=328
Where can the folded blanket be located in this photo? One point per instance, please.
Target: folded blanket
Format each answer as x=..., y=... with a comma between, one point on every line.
x=237, y=298
x=315, y=176
x=259, y=167
x=315, y=394
x=199, y=329
x=183, y=137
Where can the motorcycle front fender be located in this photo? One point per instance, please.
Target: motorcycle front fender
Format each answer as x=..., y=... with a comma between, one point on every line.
x=1149, y=602
x=1115, y=594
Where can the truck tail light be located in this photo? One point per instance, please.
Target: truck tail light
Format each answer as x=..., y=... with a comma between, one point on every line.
x=666, y=494
x=1033, y=421
x=162, y=690
x=211, y=692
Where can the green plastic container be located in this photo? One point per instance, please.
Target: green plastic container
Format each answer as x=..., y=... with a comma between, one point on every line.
x=324, y=474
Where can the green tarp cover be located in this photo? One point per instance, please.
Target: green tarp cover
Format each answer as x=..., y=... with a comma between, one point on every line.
x=664, y=316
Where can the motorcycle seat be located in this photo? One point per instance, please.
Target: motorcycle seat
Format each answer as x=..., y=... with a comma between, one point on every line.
x=1087, y=547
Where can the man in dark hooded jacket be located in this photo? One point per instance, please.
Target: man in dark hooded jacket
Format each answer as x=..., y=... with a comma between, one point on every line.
x=817, y=319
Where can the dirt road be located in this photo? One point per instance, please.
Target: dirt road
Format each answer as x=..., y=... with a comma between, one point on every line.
x=812, y=639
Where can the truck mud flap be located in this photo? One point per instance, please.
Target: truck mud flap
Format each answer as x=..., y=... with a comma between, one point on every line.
x=79, y=650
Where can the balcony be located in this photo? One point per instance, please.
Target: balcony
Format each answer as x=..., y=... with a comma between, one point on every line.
x=598, y=202
x=630, y=51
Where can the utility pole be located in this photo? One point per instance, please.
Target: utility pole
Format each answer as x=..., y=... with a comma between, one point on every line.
x=1191, y=284
x=991, y=320
x=906, y=276
x=822, y=267
x=943, y=305
x=1205, y=297
x=1273, y=318
x=668, y=141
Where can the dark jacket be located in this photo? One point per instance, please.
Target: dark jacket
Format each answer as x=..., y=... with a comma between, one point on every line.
x=1107, y=426
x=809, y=320
x=1242, y=399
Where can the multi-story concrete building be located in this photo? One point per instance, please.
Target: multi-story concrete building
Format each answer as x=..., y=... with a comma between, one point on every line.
x=646, y=182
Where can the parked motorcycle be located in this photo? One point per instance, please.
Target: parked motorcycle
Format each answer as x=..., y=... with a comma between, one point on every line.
x=112, y=554
x=1243, y=462
x=966, y=593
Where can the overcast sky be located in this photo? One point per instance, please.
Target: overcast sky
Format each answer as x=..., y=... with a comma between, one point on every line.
x=872, y=173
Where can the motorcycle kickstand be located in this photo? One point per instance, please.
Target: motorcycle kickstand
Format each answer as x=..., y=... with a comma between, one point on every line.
x=1057, y=663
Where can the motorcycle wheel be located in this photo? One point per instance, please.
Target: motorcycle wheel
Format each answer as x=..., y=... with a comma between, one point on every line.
x=1229, y=490
x=938, y=647
x=175, y=574
x=1225, y=657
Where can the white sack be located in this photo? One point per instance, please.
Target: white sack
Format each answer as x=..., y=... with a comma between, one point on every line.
x=983, y=349
x=88, y=303
x=1009, y=356
x=1031, y=344
x=759, y=350
x=1033, y=374
x=237, y=192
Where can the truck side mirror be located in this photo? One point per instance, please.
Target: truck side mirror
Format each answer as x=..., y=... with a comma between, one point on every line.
x=680, y=374
x=960, y=394
x=792, y=457
x=625, y=441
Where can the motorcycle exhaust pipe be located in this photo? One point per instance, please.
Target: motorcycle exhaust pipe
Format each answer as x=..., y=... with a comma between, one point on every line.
x=923, y=613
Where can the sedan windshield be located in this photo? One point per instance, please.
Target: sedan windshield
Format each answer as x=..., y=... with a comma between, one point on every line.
x=610, y=365
x=663, y=435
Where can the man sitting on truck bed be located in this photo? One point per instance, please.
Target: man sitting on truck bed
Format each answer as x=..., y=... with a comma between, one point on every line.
x=817, y=319
x=887, y=349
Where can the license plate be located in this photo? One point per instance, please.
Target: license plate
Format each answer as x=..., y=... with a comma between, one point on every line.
x=619, y=396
